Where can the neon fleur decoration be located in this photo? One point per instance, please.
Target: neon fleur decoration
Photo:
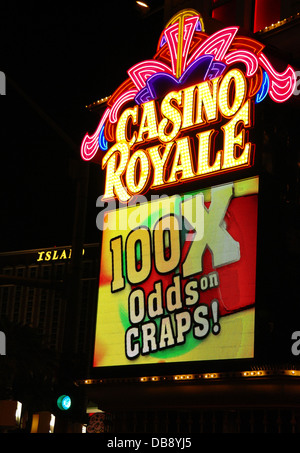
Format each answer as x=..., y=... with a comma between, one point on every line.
x=193, y=82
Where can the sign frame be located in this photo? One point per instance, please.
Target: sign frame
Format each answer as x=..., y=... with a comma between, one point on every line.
x=196, y=87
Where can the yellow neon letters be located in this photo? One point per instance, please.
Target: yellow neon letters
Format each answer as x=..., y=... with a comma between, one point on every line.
x=161, y=130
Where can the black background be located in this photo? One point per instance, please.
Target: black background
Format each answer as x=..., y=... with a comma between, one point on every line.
x=58, y=58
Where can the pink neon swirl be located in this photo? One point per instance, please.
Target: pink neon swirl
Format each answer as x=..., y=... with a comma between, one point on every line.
x=246, y=57
x=217, y=44
x=189, y=30
x=140, y=72
x=282, y=84
x=171, y=35
x=125, y=97
x=89, y=145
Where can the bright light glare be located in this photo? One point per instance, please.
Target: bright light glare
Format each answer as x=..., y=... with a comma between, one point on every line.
x=18, y=412
x=52, y=424
x=144, y=5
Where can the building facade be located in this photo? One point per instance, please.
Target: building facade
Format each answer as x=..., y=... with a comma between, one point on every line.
x=33, y=292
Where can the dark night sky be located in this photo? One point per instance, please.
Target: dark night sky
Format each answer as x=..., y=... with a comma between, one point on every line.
x=60, y=57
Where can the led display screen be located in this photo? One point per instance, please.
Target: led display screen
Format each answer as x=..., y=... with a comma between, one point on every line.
x=177, y=280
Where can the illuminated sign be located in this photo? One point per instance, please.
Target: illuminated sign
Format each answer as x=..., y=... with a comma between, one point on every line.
x=160, y=125
x=176, y=289
x=178, y=274
x=201, y=104
x=55, y=254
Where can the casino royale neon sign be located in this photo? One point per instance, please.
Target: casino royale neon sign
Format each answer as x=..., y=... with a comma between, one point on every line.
x=213, y=96
x=160, y=125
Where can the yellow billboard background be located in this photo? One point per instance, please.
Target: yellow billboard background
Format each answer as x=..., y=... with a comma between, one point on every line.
x=235, y=338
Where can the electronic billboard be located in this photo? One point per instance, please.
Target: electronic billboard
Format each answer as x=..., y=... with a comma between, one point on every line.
x=180, y=204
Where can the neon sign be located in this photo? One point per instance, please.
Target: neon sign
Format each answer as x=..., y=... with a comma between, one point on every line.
x=53, y=255
x=177, y=276
x=160, y=125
